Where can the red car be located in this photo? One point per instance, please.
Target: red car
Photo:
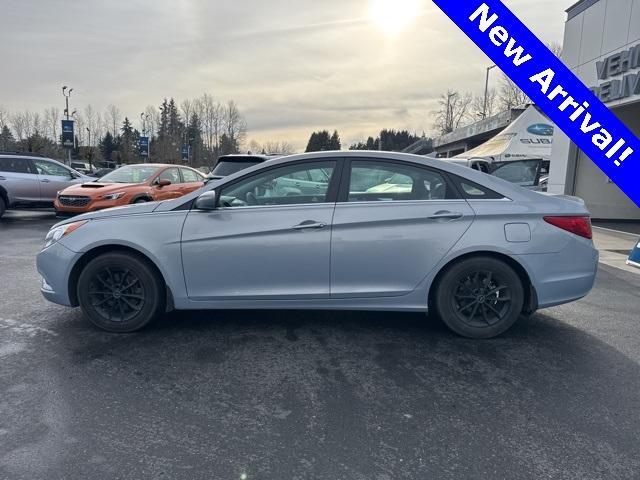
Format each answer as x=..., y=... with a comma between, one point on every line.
x=129, y=184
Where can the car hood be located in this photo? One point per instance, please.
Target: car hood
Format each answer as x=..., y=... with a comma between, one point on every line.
x=135, y=209
x=95, y=189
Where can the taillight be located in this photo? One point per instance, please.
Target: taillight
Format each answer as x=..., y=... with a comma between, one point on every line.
x=577, y=225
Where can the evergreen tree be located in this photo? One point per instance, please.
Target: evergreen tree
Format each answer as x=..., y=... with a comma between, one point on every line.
x=320, y=141
x=7, y=141
x=108, y=146
x=334, y=141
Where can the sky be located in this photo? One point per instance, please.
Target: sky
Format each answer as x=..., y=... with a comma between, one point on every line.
x=291, y=66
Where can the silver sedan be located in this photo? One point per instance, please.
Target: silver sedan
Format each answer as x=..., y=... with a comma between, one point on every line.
x=330, y=230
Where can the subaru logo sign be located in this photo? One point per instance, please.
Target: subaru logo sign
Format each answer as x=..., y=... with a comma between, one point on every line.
x=542, y=129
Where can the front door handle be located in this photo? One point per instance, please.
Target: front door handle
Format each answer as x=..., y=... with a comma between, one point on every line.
x=2, y=178
x=45, y=180
x=309, y=224
x=445, y=214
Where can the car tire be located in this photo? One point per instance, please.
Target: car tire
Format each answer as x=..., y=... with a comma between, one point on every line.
x=140, y=200
x=479, y=297
x=120, y=292
x=3, y=207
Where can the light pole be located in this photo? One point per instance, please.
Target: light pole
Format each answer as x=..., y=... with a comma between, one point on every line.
x=90, y=149
x=486, y=91
x=66, y=92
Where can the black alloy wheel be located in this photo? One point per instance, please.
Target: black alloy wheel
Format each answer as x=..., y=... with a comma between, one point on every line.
x=479, y=297
x=120, y=292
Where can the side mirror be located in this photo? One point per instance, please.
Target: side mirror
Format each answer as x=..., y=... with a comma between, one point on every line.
x=206, y=201
x=163, y=183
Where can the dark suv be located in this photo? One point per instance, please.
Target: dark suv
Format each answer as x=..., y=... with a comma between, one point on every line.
x=228, y=164
x=27, y=180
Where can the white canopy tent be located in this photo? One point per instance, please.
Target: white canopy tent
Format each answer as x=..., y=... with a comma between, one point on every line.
x=530, y=136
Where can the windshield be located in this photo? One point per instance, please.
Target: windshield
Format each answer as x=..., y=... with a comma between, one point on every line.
x=227, y=167
x=130, y=174
x=523, y=173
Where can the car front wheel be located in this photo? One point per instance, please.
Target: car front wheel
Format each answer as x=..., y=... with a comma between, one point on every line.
x=120, y=292
x=479, y=297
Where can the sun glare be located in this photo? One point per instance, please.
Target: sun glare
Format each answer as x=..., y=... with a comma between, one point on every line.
x=394, y=16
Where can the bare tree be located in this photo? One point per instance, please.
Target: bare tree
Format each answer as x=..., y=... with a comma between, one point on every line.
x=212, y=121
x=19, y=123
x=235, y=125
x=476, y=109
x=152, y=115
x=52, y=118
x=271, y=146
x=113, y=117
x=187, y=109
x=452, y=112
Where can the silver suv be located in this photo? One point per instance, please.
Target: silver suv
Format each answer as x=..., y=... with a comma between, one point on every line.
x=32, y=181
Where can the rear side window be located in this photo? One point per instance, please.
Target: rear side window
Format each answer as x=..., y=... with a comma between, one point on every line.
x=15, y=165
x=190, y=176
x=473, y=191
x=375, y=181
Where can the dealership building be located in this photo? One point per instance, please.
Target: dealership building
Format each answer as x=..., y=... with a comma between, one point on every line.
x=602, y=47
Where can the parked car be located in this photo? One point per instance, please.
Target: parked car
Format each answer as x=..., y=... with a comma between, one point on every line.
x=145, y=182
x=475, y=249
x=82, y=167
x=229, y=164
x=27, y=180
x=528, y=173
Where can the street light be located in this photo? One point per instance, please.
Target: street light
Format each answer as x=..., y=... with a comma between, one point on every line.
x=486, y=91
x=67, y=93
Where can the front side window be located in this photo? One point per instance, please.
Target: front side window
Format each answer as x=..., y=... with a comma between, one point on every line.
x=45, y=167
x=170, y=174
x=385, y=181
x=281, y=186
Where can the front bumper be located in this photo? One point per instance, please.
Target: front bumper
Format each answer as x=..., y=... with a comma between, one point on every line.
x=92, y=206
x=54, y=265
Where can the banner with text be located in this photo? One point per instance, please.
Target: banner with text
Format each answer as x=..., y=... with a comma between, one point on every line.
x=68, y=140
x=552, y=87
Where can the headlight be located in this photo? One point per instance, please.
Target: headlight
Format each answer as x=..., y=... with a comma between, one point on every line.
x=113, y=196
x=57, y=233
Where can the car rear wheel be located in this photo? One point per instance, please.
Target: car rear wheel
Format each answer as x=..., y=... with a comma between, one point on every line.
x=119, y=292
x=141, y=200
x=479, y=297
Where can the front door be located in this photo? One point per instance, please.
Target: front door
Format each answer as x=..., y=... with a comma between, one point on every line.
x=167, y=192
x=53, y=177
x=262, y=243
x=392, y=227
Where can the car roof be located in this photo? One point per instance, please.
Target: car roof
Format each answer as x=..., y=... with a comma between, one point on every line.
x=249, y=156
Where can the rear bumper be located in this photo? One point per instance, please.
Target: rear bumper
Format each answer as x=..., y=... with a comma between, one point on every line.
x=564, y=276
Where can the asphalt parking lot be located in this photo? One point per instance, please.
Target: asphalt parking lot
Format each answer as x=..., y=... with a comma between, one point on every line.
x=300, y=395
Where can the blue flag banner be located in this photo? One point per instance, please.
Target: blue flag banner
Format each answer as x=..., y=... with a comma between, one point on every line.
x=144, y=146
x=552, y=87
x=68, y=140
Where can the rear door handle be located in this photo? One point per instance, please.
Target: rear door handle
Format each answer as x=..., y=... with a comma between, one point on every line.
x=2, y=178
x=309, y=224
x=445, y=214
x=45, y=180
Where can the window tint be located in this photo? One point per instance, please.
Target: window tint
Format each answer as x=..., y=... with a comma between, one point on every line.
x=170, y=174
x=45, y=167
x=280, y=186
x=190, y=176
x=381, y=181
x=15, y=165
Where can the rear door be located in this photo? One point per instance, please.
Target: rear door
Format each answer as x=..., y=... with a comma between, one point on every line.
x=18, y=178
x=53, y=177
x=190, y=180
x=387, y=237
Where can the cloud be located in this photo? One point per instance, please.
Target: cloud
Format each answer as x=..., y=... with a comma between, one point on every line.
x=290, y=67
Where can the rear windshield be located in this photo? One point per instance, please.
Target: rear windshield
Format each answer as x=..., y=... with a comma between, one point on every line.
x=227, y=166
x=131, y=174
